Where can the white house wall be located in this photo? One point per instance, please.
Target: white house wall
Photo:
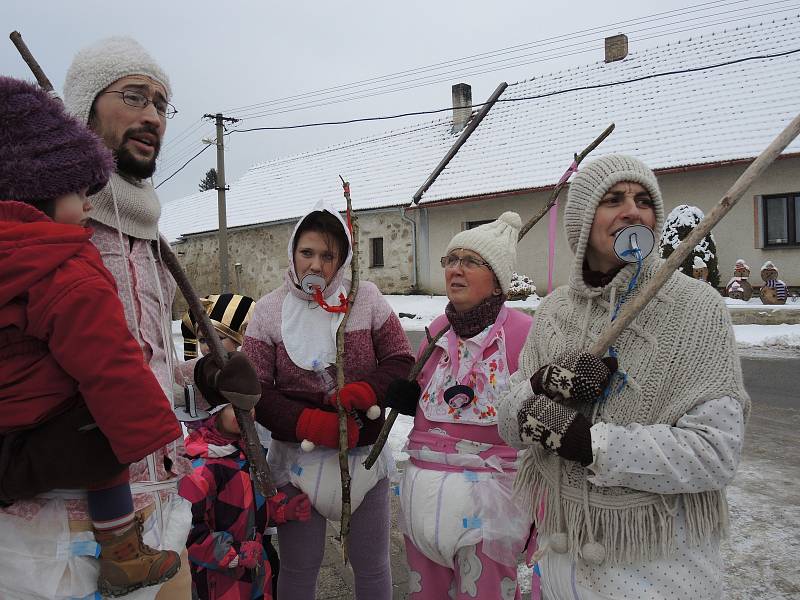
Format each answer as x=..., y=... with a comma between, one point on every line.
x=734, y=236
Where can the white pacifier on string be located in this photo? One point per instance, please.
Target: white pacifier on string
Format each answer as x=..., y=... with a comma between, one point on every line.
x=633, y=240
x=311, y=282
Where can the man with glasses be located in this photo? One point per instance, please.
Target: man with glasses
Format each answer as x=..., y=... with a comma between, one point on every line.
x=120, y=91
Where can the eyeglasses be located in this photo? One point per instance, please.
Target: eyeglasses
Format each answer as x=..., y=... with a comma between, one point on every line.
x=468, y=263
x=139, y=100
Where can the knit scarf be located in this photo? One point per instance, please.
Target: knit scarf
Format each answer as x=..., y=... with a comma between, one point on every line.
x=137, y=203
x=471, y=322
x=679, y=352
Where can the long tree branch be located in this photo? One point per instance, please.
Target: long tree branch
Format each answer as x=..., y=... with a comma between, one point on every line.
x=380, y=442
x=560, y=185
x=344, y=467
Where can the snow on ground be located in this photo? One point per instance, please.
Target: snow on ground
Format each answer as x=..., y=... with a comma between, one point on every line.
x=417, y=312
x=768, y=336
x=421, y=310
x=791, y=304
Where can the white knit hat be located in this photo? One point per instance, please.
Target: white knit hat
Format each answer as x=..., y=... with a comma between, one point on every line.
x=98, y=66
x=496, y=242
x=591, y=184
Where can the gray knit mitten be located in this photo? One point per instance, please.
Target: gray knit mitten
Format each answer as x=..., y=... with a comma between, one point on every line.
x=557, y=428
x=578, y=376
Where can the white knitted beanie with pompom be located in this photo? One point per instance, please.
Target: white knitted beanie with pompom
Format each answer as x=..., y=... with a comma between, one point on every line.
x=496, y=242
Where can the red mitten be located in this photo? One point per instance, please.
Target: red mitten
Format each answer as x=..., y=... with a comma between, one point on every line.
x=358, y=395
x=251, y=555
x=296, y=508
x=322, y=428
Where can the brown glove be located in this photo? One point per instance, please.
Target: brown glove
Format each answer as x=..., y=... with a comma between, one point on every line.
x=236, y=382
x=578, y=376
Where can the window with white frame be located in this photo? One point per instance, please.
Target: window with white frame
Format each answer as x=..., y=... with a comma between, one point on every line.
x=781, y=220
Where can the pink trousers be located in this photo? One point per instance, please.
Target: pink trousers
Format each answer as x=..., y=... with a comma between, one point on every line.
x=475, y=576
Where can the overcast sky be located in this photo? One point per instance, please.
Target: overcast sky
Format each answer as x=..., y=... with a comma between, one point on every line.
x=222, y=56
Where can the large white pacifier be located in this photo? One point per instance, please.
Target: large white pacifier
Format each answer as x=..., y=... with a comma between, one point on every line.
x=311, y=281
x=632, y=238
x=189, y=411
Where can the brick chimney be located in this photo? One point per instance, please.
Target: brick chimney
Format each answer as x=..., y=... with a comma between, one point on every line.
x=616, y=47
x=462, y=106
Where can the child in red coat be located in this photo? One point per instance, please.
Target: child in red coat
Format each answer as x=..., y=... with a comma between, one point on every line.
x=77, y=402
x=229, y=517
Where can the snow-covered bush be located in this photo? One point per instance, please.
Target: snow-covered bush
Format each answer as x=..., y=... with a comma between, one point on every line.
x=678, y=225
x=521, y=287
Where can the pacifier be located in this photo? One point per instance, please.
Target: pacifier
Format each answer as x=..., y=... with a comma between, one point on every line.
x=633, y=240
x=311, y=282
x=458, y=396
x=189, y=411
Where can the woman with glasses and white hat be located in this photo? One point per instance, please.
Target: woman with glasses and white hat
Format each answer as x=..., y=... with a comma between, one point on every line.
x=463, y=532
x=628, y=457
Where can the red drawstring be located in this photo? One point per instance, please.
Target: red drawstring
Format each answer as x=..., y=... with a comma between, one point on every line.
x=342, y=308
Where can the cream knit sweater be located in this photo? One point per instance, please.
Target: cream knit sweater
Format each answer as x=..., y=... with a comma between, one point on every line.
x=679, y=353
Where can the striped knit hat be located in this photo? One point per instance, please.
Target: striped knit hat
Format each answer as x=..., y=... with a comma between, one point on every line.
x=230, y=315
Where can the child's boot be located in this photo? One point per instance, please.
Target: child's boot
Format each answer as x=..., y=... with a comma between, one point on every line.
x=127, y=563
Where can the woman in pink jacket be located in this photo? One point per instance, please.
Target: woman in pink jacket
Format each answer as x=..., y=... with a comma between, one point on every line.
x=463, y=533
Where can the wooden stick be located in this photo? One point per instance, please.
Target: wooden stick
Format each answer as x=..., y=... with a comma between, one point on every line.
x=344, y=467
x=560, y=186
x=723, y=207
x=41, y=78
x=252, y=449
x=380, y=442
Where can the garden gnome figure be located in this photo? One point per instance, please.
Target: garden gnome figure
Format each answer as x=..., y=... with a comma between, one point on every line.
x=699, y=269
x=740, y=274
x=774, y=290
x=736, y=291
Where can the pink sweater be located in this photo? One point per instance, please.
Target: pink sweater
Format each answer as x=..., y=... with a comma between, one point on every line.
x=515, y=330
x=376, y=351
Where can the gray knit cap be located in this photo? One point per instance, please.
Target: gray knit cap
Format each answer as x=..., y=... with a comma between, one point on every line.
x=98, y=66
x=591, y=184
x=496, y=242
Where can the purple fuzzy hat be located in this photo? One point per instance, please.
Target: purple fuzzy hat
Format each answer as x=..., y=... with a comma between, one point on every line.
x=44, y=152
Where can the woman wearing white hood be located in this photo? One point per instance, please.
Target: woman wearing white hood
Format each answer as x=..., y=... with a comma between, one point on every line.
x=291, y=342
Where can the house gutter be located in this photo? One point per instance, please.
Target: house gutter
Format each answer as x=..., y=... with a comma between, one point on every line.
x=413, y=224
x=473, y=125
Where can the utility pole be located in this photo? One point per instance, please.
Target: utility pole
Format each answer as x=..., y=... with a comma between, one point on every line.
x=221, y=188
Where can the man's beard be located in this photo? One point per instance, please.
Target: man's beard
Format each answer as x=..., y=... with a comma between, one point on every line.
x=128, y=164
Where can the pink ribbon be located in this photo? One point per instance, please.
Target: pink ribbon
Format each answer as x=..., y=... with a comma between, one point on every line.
x=552, y=228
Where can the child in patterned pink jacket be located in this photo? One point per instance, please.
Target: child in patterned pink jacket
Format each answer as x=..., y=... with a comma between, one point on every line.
x=229, y=517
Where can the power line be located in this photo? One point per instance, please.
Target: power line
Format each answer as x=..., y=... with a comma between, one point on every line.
x=513, y=49
x=519, y=99
x=183, y=167
x=481, y=69
x=446, y=76
x=462, y=59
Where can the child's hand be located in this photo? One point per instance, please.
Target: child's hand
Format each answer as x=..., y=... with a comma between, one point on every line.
x=251, y=555
x=298, y=508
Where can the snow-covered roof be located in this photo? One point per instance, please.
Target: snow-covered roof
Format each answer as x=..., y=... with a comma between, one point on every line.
x=384, y=170
x=728, y=113
x=702, y=117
